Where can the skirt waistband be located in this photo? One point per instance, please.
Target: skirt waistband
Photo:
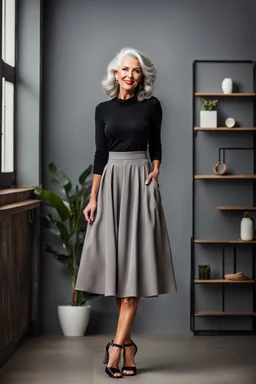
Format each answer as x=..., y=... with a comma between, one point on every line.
x=127, y=155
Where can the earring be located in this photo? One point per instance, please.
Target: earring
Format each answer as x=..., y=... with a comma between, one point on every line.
x=140, y=86
x=116, y=81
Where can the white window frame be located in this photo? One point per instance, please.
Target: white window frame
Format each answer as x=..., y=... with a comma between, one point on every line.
x=8, y=28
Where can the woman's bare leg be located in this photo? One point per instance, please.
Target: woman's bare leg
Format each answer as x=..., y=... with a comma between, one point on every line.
x=118, y=303
x=127, y=311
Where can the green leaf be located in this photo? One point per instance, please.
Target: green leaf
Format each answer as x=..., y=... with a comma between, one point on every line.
x=70, y=226
x=81, y=237
x=60, y=189
x=60, y=178
x=56, y=227
x=85, y=174
x=55, y=201
x=49, y=249
x=45, y=221
x=64, y=259
x=61, y=257
x=72, y=199
x=67, y=205
x=73, y=239
x=63, y=231
x=83, y=297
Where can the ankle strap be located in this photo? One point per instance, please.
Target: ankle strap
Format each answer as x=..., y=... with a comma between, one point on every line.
x=116, y=345
x=129, y=344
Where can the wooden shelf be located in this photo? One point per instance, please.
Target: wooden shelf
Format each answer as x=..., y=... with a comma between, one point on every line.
x=226, y=177
x=220, y=241
x=7, y=191
x=235, y=208
x=223, y=281
x=220, y=94
x=198, y=314
x=239, y=129
x=18, y=207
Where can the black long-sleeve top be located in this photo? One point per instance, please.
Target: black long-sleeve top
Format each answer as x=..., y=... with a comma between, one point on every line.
x=127, y=125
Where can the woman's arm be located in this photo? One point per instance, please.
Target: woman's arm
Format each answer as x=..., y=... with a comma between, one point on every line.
x=90, y=209
x=155, y=145
x=101, y=143
x=95, y=186
x=100, y=160
x=101, y=152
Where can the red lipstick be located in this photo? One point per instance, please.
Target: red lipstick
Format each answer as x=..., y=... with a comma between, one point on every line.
x=129, y=82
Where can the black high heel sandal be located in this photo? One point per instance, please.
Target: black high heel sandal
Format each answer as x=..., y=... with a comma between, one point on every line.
x=126, y=368
x=109, y=370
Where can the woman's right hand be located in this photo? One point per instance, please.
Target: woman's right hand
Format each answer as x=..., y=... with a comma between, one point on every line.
x=90, y=210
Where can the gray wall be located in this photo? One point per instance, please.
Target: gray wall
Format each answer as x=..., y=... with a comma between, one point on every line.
x=80, y=38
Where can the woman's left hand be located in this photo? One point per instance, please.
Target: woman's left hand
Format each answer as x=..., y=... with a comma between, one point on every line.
x=153, y=175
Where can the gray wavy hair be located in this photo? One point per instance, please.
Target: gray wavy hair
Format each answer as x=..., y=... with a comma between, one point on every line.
x=145, y=89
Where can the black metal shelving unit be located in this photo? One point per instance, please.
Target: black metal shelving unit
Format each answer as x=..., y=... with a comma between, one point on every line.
x=224, y=243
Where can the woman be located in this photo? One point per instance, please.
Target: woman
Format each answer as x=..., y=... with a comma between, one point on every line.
x=126, y=252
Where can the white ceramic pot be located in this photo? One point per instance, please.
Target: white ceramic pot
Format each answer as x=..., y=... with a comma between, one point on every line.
x=246, y=229
x=208, y=119
x=74, y=320
x=227, y=85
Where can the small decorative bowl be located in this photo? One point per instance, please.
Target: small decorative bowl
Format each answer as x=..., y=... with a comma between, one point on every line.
x=219, y=168
x=230, y=122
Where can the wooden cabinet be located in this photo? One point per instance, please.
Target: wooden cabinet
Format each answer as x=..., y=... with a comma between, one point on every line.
x=19, y=268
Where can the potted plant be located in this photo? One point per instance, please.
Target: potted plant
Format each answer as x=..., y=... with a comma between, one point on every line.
x=208, y=117
x=68, y=226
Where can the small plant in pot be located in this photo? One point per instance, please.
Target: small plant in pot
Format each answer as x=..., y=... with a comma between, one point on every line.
x=69, y=226
x=208, y=117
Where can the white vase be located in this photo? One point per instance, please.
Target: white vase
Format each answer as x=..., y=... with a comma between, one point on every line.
x=74, y=320
x=227, y=85
x=246, y=229
x=208, y=119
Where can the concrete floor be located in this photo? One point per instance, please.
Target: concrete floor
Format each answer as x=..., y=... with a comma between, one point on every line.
x=161, y=359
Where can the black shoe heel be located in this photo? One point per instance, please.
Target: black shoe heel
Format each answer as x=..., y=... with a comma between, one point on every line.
x=127, y=368
x=109, y=370
x=106, y=357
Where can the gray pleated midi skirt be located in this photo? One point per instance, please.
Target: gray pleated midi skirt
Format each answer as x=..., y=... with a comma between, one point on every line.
x=126, y=251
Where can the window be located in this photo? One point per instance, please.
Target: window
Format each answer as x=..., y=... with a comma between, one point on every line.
x=7, y=92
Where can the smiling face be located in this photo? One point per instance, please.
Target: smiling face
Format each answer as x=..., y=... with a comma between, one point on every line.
x=129, y=74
